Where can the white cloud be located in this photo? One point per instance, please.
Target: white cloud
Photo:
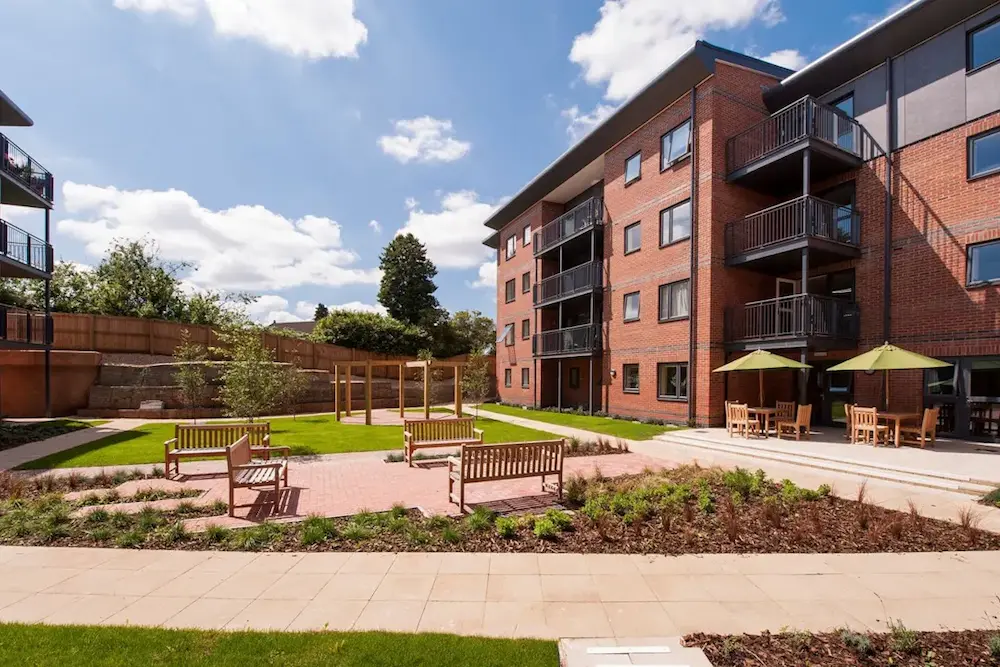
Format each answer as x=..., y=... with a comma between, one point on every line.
x=487, y=275
x=410, y=203
x=376, y=226
x=270, y=308
x=634, y=40
x=361, y=307
x=424, y=139
x=789, y=58
x=240, y=248
x=454, y=235
x=580, y=124
x=311, y=29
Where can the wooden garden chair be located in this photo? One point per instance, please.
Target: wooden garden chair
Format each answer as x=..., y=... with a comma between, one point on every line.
x=866, y=426
x=742, y=422
x=800, y=426
x=926, y=430
x=849, y=416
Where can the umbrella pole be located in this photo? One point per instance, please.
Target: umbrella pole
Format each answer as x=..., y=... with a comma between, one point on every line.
x=886, y=375
x=760, y=393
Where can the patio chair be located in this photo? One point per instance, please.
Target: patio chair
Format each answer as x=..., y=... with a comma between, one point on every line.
x=849, y=416
x=729, y=417
x=927, y=429
x=785, y=411
x=866, y=426
x=800, y=426
x=741, y=421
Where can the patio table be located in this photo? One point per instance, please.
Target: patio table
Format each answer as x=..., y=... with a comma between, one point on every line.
x=766, y=413
x=898, y=417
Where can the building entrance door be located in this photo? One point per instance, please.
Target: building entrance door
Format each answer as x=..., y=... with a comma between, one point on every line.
x=829, y=393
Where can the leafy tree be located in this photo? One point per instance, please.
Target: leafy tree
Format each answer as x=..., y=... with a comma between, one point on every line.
x=370, y=331
x=321, y=312
x=252, y=380
x=14, y=292
x=407, y=288
x=475, y=332
x=132, y=280
x=72, y=289
x=191, y=372
x=477, y=379
x=221, y=309
x=294, y=386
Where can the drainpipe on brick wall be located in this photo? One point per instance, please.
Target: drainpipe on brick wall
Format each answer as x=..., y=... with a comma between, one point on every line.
x=692, y=291
x=887, y=231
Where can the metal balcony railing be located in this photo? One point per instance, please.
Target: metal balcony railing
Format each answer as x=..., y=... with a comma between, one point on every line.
x=792, y=317
x=571, y=340
x=577, y=280
x=21, y=166
x=806, y=118
x=795, y=219
x=582, y=217
x=24, y=326
x=22, y=247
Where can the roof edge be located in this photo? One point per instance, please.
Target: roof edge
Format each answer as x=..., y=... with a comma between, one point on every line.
x=11, y=115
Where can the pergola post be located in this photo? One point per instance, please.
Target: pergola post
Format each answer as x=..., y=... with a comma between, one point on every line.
x=402, y=391
x=458, y=391
x=336, y=390
x=368, y=393
x=427, y=390
x=347, y=382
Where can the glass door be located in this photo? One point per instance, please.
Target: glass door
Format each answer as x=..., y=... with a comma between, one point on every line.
x=845, y=128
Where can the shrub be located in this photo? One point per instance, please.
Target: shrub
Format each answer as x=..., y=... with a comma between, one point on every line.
x=902, y=638
x=705, y=503
x=437, y=522
x=98, y=516
x=101, y=534
x=740, y=481
x=398, y=511
x=317, y=529
x=576, y=490
x=418, y=536
x=994, y=646
x=216, y=534
x=858, y=643
x=773, y=511
x=824, y=490
x=219, y=507
x=561, y=520
x=175, y=532
x=969, y=520
x=546, y=529
x=506, y=527
x=480, y=519
x=372, y=332
x=130, y=539
x=149, y=518
x=120, y=520
x=355, y=532
x=451, y=534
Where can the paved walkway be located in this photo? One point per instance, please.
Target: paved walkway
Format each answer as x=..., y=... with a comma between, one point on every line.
x=504, y=595
x=11, y=458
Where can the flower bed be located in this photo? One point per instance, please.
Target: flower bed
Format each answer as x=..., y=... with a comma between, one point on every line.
x=900, y=647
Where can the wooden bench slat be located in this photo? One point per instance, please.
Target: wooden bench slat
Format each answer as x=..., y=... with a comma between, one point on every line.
x=212, y=440
x=423, y=433
x=487, y=463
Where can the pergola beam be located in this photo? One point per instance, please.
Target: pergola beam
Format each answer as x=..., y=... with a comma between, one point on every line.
x=426, y=366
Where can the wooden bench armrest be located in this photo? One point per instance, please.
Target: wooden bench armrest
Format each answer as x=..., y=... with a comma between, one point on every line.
x=171, y=441
x=407, y=435
x=267, y=440
x=453, y=461
x=258, y=466
x=268, y=450
x=478, y=431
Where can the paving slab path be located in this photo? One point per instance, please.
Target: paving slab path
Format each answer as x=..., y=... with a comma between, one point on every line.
x=502, y=595
x=15, y=456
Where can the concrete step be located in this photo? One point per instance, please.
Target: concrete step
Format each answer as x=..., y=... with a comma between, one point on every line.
x=598, y=652
x=875, y=470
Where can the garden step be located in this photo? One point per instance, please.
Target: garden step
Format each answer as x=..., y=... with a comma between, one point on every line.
x=927, y=479
x=597, y=652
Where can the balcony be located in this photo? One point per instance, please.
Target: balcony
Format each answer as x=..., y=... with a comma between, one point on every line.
x=769, y=240
x=768, y=156
x=35, y=184
x=568, y=342
x=800, y=320
x=24, y=328
x=579, y=280
x=30, y=256
x=569, y=225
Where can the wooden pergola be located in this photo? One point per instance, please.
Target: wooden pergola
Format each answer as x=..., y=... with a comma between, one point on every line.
x=369, y=364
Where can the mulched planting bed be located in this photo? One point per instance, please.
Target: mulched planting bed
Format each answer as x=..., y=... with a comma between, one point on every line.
x=15, y=434
x=26, y=485
x=688, y=510
x=900, y=648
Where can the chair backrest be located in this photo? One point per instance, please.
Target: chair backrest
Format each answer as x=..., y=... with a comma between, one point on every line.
x=238, y=453
x=804, y=415
x=865, y=417
x=729, y=413
x=441, y=429
x=785, y=410
x=741, y=412
x=216, y=436
x=512, y=460
x=930, y=420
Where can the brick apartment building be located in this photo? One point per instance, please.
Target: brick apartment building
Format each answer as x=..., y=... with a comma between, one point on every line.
x=733, y=205
x=25, y=183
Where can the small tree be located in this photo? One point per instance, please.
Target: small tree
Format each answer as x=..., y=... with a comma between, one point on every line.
x=252, y=380
x=321, y=312
x=407, y=287
x=190, y=374
x=294, y=385
x=477, y=381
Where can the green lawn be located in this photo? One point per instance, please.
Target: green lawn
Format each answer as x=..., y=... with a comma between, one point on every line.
x=305, y=435
x=617, y=428
x=40, y=645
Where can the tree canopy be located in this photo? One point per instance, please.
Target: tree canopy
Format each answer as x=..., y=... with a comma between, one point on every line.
x=407, y=287
x=321, y=312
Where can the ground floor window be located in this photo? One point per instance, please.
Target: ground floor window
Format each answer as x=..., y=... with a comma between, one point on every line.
x=630, y=378
x=507, y=377
x=574, y=378
x=968, y=396
x=672, y=381
x=525, y=378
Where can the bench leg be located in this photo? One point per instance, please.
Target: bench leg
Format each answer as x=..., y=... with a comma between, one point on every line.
x=232, y=501
x=461, y=497
x=277, y=494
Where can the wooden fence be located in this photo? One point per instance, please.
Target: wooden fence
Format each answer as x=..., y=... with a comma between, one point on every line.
x=132, y=335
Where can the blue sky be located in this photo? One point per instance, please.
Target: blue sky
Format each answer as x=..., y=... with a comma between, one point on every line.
x=260, y=139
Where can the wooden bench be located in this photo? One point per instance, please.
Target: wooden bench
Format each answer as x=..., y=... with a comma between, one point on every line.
x=211, y=440
x=511, y=460
x=419, y=434
x=245, y=473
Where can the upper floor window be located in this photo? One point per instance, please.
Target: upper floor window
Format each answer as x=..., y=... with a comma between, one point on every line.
x=527, y=235
x=675, y=300
x=846, y=105
x=984, y=154
x=526, y=281
x=633, y=168
x=983, y=46
x=984, y=263
x=511, y=246
x=631, y=307
x=509, y=291
x=675, y=223
x=633, y=237
x=525, y=329
x=508, y=335
x=845, y=129
x=675, y=144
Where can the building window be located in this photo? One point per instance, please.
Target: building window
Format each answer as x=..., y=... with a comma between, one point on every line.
x=525, y=378
x=508, y=335
x=675, y=144
x=675, y=300
x=675, y=223
x=506, y=377
x=983, y=46
x=574, y=378
x=526, y=282
x=844, y=128
x=510, y=293
x=633, y=237
x=527, y=235
x=984, y=263
x=630, y=378
x=632, y=307
x=525, y=329
x=984, y=154
x=633, y=168
x=511, y=246
x=672, y=382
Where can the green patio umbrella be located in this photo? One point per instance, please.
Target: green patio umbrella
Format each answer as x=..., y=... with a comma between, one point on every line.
x=887, y=358
x=761, y=360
